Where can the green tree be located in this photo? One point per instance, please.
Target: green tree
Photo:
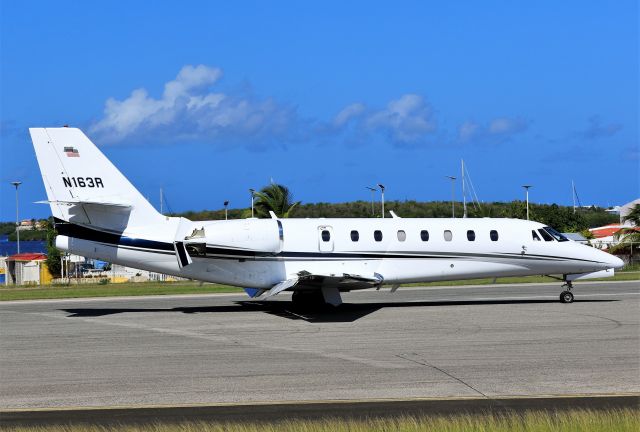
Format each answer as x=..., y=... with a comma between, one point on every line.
x=276, y=198
x=562, y=218
x=53, y=254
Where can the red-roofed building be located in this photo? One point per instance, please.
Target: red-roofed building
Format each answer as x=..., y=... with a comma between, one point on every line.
x=605, y=235
x=28, y=256
x=27, y=268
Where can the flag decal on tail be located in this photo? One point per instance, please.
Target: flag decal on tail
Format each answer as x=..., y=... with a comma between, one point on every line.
x=71, y=152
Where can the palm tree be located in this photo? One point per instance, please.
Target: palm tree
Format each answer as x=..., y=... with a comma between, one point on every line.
x=634, y=216
x=629, y=237
x=276, y=198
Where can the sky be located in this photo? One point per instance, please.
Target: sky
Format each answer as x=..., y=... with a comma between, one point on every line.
x=209, y=99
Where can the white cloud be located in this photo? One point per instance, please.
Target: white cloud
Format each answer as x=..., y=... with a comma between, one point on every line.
x=468, y=130
x=189, y=108
x=506, y=126
x=498, y=129
x=348, y=113
x=597, y=129
x=406, y=120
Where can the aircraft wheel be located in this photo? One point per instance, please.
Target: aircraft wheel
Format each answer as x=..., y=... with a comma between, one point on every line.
x=566, y=297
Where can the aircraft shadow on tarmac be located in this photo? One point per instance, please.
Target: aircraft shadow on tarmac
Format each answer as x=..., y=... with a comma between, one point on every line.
x=347, y=312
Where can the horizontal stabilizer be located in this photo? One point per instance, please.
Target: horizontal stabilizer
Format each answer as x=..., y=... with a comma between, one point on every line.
x=94, y=203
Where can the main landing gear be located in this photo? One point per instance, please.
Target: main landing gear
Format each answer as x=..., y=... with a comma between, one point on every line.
x=308, y=299
x=566, y=296
x=322, y=298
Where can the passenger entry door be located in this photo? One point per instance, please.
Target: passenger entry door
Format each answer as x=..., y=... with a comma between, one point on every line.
x=325, y=238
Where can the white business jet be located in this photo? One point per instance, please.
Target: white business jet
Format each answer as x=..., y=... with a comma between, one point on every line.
x=99, y=214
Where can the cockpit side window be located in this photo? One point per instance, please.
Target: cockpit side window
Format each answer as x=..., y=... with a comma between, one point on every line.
x=535, y=235
x=555, y=234
x=545, y=235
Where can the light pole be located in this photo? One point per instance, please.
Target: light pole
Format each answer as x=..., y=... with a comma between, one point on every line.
x=382, y=191
x=253, y=191
x=16, y=184
x=526, y=188
x=226, y=204
x=453, y=191
x=373, y=192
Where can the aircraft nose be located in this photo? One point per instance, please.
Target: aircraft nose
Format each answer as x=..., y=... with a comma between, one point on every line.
x=609, y=260
x=614, y=261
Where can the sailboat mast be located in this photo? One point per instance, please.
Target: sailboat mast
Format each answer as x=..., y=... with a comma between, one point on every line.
x=464, y=195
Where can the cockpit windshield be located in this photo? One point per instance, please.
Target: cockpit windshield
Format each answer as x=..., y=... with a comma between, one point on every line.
x=555, y=234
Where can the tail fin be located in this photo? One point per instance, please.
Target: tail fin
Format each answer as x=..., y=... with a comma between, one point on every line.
x=83, y=186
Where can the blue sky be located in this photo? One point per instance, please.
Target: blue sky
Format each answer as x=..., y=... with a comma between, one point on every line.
x=209, y=99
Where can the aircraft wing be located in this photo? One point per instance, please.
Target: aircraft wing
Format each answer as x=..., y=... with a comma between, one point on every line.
x=309, y=281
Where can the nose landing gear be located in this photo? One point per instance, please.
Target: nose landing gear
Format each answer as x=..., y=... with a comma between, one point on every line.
x=566, y=296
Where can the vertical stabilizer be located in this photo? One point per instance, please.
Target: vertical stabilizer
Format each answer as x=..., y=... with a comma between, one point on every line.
x=83, y=186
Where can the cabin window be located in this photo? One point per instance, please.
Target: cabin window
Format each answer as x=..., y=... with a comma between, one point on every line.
x=545, y=235
x=377, y=235
x=471, y=235
x=326, y=235
x=535, y=235
x=402, y=236
x=355, y=236
x=424, y=235
x=448, y=235
x=494, y=235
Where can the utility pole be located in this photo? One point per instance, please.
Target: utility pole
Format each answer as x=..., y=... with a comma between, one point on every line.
x=16, y=184
x=453, y=191
x=526, y=187
x=252, y=195
x=464, y=194
x=382, y=191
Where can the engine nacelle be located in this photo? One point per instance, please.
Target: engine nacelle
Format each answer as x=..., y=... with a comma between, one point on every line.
x=235, y=236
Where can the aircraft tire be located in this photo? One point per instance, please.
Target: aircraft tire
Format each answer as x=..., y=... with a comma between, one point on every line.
x=566, y=297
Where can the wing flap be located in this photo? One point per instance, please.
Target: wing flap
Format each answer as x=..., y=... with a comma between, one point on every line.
x=284, y=285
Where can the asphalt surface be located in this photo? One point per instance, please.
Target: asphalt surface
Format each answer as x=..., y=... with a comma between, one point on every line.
x=479, y=342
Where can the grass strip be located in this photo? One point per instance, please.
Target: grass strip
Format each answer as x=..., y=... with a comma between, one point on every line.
x=111, y=290
x=623, y=420
x=30, y=292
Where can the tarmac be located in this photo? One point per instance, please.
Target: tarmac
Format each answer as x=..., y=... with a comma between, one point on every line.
x=479, y=343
